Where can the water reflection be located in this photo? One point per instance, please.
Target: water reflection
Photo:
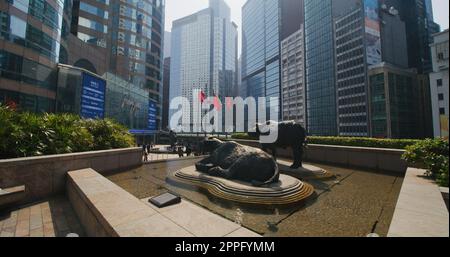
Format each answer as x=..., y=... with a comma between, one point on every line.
x=355, y=195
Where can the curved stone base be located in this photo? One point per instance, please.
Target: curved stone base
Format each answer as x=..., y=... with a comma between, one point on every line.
x=305, y=172
x=288, y=190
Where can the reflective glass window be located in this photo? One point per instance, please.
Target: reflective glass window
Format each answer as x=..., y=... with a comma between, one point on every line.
x=93, y=10
x=21, y=5
x=18, y=27
x=92, y=25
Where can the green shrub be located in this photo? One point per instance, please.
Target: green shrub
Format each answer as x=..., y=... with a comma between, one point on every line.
x=432, y=155
x=349, y=141
x=363, y=142
x=27, y=134
x=108, y=134
x=68, y=134
x=9, y=132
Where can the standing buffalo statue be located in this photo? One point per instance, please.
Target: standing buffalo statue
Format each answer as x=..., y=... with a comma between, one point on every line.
x=290, y=134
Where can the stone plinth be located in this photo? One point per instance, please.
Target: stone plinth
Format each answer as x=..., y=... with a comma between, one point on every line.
x=305, y=172
x=288, y=190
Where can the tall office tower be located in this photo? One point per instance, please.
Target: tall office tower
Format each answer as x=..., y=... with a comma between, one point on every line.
x=167, y=42
x=433, y=27
x=293, y=93
x=319, y=65
x=130, y=32
x=203, y=54
x=30, y=38
x=239, y=90
x=439, y=83
x=393, y=38
x=365, y=36
x=166, y=100
x=264, y=25
x=166, y=81
x=417, y=17
x=419, y=30
x=352, y=58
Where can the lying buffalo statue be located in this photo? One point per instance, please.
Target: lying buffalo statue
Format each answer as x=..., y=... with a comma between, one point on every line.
x=290, y=134
x=234, y=161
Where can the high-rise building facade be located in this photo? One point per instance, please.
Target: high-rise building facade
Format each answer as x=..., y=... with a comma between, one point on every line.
x=319, y=65
x=351, y=62
x=90, y=21
x=419, y=27
x=122, y=37
x=393, y=102
x=203, y=54
x=343, y=39
x=30, y=39
x=293, y=93
x=419, y=24
x=370, y=34
x=439, y=84
x=264, y=25
x=132, y=31
x=166, y=94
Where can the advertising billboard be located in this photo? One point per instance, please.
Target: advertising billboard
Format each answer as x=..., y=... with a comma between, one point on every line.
x=152, y=116
x=92, y=97
x=373, y=32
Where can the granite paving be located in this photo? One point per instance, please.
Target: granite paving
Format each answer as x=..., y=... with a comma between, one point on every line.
x=52, y=218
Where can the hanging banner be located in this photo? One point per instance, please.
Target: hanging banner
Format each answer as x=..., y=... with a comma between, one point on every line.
x=373, y=32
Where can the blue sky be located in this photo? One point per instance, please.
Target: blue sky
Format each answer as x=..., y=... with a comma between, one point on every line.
x=440, y=9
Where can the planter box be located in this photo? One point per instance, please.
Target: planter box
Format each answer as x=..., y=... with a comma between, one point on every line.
x=45, y=176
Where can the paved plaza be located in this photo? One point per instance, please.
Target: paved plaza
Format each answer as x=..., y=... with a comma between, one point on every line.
x=52, y=218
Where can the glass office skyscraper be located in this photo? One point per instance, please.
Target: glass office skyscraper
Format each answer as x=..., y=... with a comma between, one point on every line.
x=123, y=37
x=30, y=37
x=319, y=66
x=265, y=23
x=203, y=54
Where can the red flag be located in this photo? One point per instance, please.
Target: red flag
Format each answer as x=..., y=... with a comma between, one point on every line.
x=201, y=96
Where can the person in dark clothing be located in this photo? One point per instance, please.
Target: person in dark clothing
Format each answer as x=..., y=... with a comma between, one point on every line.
x=188, y=150
x=180, y=152
x=173, y=138
x=145, y=152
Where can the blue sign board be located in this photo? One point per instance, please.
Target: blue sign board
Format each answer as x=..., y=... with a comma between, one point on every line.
x=152, y=116
x=93, y=97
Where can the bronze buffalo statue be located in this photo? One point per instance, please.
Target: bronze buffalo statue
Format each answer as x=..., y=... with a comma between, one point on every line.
x=290, y=134
x=234, y=161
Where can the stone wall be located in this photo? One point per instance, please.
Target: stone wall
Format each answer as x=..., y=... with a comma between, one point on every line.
x=46, y=175
x=347, y=156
